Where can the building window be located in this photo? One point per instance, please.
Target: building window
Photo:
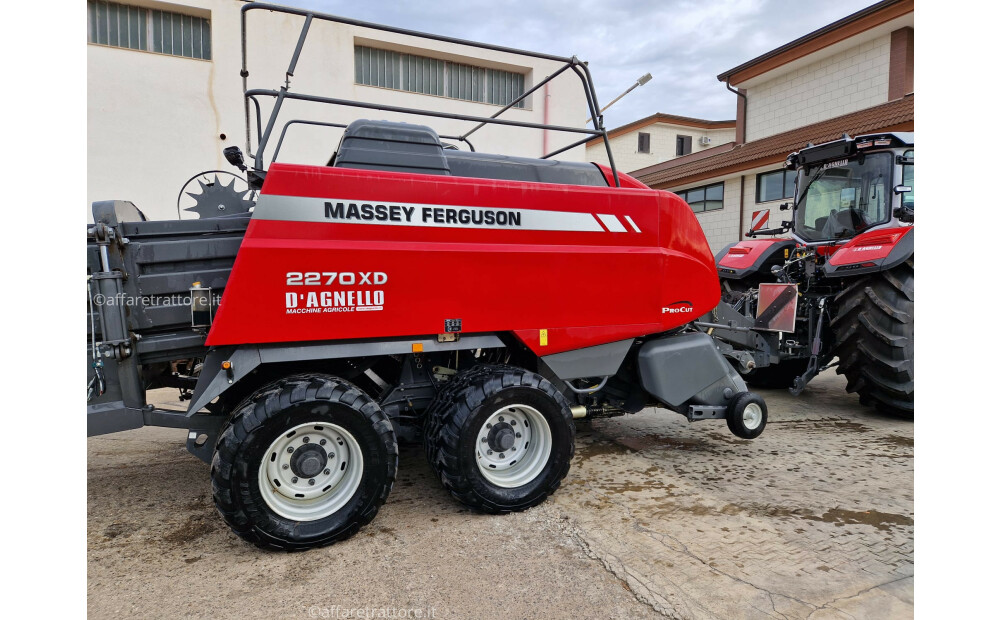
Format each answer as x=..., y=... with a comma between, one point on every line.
x=430, y=76
x=643, y=142
x=149, y=30
x=775, y=185
x=683, y=145
x=704, y=198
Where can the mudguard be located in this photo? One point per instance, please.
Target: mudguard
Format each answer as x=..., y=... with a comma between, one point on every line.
x=749, y=257
x=870, y=252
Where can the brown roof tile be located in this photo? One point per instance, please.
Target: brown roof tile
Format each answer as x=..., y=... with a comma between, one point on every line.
x=894, y=115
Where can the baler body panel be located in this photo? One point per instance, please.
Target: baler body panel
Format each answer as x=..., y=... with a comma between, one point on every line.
x=336, y=253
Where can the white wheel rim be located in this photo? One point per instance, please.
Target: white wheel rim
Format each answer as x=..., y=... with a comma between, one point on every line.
x=752, y=416
x=288, y=493
x=527, y=439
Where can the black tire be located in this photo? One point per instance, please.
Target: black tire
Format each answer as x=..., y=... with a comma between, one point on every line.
x=738, y=423
x=246, y=440
x=873, y=337
x=433, y=417
x=780, y=375
x=456, y=417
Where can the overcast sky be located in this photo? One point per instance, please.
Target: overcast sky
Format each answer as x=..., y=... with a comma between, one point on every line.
x=685, y=44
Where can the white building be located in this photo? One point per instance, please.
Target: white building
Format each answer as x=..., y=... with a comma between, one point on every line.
x=659, y=137
x=853, y=76
x=165, y=93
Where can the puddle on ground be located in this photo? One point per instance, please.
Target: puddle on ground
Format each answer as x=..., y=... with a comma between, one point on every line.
x=196, y=527
x=838, y=516
x=897, y=440
x=646, y=442
x=587, y=451
x=826, y=424
x=879, y=520
x=601, y=446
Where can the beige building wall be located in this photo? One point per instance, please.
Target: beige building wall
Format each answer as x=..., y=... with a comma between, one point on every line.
x=662, y=145
x=156, y=120
x=850, y=80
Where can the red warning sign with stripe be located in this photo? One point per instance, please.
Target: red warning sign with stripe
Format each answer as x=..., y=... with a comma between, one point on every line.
x=759, y=220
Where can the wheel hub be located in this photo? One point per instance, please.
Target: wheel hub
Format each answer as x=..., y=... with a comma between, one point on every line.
x=513, y=446
x=311, y=471
x=501, y=437
x=308, y=460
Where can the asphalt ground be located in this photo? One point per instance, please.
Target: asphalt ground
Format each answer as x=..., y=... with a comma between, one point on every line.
x=657, y=517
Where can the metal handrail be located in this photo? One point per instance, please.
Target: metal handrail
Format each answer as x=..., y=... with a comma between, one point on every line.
x=283, y=93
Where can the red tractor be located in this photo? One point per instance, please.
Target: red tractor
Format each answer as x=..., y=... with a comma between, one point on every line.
x=840, y=291
x=405, y=289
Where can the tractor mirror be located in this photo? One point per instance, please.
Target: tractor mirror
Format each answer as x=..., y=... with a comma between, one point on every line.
x=785, y=206
x=902, y=189
x=234, y=156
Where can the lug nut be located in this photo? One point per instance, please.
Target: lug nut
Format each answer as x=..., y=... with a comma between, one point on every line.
x=290, y=450
x=501, y=418
x=489, y=426
x=513, y=422
x=322, y=442
x=330, y=455
x=483, y=440
x=489, y=452
x=295, y=479
x=326, y=472
x=518, y=435
x=312, y=481
x=305, y=440
x=285, y=466
x=501, y=455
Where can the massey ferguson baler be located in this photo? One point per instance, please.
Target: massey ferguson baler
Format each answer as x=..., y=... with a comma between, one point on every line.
x=406, y=290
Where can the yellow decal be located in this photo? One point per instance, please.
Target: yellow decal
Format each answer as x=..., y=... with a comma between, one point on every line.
x=543, y=337
x=786, y=252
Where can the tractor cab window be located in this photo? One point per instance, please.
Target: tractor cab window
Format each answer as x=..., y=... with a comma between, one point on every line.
x=908, y=181
x=840, y=199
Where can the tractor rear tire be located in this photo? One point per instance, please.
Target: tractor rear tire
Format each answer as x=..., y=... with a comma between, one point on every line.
x=873, y=337
x=501, y=439
x=305, y=463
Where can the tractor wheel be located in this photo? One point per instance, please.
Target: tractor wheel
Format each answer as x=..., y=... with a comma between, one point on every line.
x=781, y=375
x=306, y=463
x=501, y=439
x=873, y=332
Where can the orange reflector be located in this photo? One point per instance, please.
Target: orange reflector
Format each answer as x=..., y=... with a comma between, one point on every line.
x=226, y=365
x=417, y=347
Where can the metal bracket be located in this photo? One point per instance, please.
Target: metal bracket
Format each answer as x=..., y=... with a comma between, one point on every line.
x=706, y=412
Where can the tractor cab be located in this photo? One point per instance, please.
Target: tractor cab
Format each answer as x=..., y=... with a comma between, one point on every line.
x=850, y=186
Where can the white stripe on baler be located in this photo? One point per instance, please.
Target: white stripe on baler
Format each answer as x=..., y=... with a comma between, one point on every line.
x=611, y=222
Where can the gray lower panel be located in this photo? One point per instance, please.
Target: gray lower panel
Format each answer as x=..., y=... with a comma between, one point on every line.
x=687, y=369
x=214, y=381
x=600, y=361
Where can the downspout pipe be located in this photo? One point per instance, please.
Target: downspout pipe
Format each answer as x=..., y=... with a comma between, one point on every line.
x=746, y=106
x=739, y=233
